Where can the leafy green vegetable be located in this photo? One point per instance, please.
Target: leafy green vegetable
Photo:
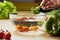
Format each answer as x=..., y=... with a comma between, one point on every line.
x=53, y=22
x=6, y=8
x=40, y=23
x=35, y=10
x=10, y=6
x=55, y=12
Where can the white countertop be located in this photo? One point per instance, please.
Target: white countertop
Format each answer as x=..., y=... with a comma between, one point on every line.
x=8, y=24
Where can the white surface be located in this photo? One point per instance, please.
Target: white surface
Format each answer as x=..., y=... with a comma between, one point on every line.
x=7, y=24
x=41, y=16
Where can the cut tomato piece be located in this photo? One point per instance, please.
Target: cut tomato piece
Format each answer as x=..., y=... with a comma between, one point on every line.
x=33, y=28
x=21, y=30
x=19, y=27
x=25, y=29
x=31, y=18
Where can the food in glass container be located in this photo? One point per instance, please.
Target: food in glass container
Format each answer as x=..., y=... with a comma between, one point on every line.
x=22, y=28
x=26, y=24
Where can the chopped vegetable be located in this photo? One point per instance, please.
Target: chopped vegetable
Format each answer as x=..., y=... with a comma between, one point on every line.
x=22, y=28
x=40, y=23
x=33, y=28
x=35, y=10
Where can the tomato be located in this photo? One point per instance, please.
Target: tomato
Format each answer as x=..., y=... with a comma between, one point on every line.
x=24, y=18
x=19, y=27
x=1, y=34
x=31, y=18
x=7, y=35
x=26, y=29
x=30, y=28
x=21, y=30
x=33, y=28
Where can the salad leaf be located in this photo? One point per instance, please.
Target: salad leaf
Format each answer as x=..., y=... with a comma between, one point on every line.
x=10, y=6
x=6, y=8
x=35, y=10
x=40, y=23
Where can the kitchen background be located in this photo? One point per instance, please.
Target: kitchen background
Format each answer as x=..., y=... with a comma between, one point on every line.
x=24, y=5
x=24, y=11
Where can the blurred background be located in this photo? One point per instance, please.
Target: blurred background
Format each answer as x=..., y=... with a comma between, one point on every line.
x=25, y=5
